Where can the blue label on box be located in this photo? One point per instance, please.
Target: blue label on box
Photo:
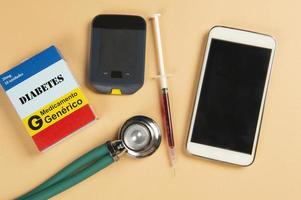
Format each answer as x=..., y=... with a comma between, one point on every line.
x=29, y=68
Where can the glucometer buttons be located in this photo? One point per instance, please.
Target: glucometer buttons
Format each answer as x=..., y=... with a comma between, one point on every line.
x=116, y=74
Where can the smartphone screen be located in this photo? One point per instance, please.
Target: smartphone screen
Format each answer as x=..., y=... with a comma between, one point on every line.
x=231, y=95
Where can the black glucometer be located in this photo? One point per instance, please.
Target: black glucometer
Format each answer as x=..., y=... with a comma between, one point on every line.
x=117, y=54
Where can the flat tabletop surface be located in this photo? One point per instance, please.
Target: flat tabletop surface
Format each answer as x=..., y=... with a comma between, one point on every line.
x=28, y=27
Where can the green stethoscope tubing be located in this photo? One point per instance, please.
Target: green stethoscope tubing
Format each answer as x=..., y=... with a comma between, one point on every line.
x=77, y=171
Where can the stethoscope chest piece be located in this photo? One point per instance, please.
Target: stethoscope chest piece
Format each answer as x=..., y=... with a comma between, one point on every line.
x=140, y=136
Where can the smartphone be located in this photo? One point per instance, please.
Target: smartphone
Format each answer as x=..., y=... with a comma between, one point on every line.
x=117, y=54
x=229, y=103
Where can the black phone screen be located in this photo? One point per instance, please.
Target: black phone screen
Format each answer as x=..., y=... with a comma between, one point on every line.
x=231, y=95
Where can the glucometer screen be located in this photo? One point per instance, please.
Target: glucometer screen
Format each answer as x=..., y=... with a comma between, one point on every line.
x=117, y=49
x=231, y=95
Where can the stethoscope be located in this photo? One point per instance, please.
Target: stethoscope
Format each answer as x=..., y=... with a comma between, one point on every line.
x=139, y=136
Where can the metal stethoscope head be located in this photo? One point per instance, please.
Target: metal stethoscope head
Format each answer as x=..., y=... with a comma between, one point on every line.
x=139, y=136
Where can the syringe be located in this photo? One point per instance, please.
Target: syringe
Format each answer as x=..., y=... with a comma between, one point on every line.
x=166, y=113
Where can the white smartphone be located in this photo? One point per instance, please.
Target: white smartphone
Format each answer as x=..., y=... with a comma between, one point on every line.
x=229, y=103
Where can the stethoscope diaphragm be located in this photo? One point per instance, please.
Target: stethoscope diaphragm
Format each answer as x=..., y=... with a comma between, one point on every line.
x=140, y=136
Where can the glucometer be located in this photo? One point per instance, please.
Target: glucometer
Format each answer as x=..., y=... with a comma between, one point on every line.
x=117, y=54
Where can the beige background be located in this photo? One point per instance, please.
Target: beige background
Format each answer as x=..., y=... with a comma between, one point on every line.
x=30, y=26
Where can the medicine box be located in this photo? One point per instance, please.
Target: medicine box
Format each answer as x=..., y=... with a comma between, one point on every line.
x=47, y=98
